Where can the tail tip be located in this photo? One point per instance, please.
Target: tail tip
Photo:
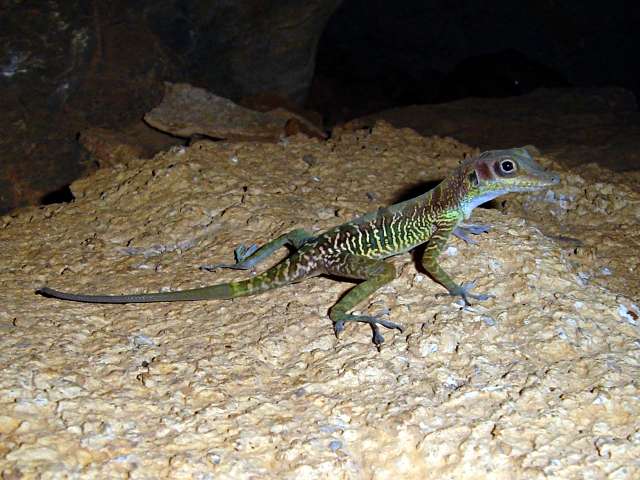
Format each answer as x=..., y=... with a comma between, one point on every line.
x=45, y=291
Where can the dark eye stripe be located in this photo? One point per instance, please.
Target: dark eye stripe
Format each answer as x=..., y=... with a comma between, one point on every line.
x=483, y=170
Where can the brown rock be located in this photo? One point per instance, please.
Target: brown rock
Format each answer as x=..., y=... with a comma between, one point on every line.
x=188, y=111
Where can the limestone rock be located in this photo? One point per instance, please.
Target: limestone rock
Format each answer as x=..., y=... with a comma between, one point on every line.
x=539, y=381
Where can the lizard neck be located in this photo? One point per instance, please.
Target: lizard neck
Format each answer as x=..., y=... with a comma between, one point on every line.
x=448, y=198
x=461, y=192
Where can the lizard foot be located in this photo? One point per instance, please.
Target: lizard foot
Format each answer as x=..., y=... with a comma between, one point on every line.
x=241, y=253
x=462, y=232
x=464, y=291
x=373, y=321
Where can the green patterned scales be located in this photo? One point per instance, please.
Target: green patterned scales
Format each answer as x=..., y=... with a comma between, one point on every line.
x=357, y=249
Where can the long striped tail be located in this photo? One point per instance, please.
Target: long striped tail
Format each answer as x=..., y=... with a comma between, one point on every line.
x=277, y=276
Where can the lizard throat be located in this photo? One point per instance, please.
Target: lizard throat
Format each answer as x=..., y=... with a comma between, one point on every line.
x=477, y=200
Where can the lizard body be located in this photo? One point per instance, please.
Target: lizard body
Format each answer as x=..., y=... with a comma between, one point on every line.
x=357, y=249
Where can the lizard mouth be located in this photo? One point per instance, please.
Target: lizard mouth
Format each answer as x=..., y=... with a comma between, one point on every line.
x=542, y=179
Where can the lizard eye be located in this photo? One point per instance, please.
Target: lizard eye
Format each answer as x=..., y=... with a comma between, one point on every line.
x=507, y=166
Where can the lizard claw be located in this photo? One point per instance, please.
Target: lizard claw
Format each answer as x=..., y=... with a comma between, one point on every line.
x=475, y=228
x=217, y=266
x=462, y=232
x=241, y=253
x=464, y=291
x=373, y=321
x=377, y=338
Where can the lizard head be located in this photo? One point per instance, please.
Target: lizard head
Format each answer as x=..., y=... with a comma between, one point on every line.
x=498, y=172
x=512, y=170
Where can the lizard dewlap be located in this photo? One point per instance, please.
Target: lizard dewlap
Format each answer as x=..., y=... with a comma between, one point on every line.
x=357, y=249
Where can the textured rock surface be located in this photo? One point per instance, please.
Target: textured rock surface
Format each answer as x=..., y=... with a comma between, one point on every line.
x=539, y=381
x=188, y=111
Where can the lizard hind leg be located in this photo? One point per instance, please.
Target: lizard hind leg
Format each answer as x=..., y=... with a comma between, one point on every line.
x=249, y=257
x=375, y=274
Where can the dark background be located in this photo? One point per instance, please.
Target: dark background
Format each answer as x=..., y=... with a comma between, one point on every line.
x=67, y=67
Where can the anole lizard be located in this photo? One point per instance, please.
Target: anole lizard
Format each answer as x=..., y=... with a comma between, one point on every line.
x=357, y=249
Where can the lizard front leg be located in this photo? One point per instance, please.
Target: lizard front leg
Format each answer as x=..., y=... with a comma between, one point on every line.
x=434, y=247
x=462, y=231
x=375, y=274
x=249, y=257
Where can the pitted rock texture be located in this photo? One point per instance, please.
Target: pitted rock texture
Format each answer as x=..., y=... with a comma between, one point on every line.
x=539, y=381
